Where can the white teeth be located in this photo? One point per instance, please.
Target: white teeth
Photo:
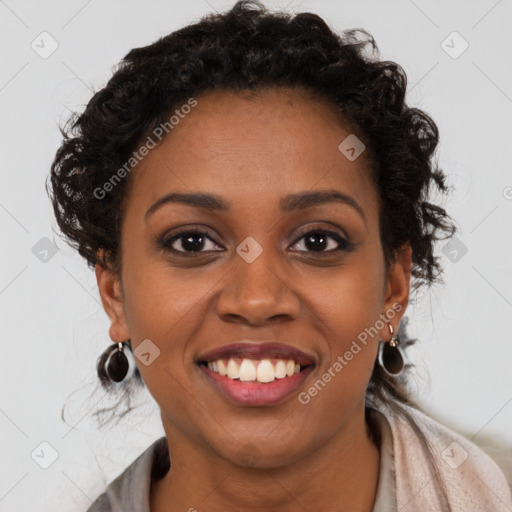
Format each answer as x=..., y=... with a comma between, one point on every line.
x=222, y=367
x=233, y=369
x=266, y=371
x=280, y=369
x=249, y=370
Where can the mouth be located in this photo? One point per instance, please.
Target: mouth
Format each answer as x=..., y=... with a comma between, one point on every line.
x=256, y=374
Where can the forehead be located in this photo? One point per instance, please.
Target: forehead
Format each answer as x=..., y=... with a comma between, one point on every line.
x=252, y=146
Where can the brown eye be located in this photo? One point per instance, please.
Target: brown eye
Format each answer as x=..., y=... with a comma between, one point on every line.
x=322, y=241
x=188, y=242
x=196, y=241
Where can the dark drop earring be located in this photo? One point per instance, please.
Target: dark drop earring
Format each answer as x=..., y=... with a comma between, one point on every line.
x=117, y=364
x=391, y=356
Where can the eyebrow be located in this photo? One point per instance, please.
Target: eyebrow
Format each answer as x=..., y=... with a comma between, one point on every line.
x=288, y=204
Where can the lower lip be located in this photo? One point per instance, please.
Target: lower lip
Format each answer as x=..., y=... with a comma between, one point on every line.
x=257, y=393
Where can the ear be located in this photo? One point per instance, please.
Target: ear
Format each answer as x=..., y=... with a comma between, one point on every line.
x=112, y=299
x=397, y=288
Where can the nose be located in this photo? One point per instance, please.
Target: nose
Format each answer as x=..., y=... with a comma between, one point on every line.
x=258, y=293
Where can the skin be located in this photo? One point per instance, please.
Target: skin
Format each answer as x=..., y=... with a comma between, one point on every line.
x=252, y=152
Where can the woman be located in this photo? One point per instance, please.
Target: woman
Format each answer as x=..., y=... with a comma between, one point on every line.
x=252, y=191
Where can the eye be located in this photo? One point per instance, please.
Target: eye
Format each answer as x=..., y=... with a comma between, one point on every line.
x=187, y=242
x=317, y=240
x=196, y=241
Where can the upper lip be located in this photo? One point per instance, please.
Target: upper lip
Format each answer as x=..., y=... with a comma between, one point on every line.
x=257, y=350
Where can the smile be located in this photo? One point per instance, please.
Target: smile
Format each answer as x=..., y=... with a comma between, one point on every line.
x=254, y=393
x=248, y=370
x=258, y=374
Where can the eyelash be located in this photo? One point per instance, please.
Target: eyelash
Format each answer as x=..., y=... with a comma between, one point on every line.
x=344, y=245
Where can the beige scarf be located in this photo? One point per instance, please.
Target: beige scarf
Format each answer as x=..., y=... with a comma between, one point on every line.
x=472, y=481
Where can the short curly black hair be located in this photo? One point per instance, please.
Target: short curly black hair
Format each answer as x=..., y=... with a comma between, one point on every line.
x=249, y=48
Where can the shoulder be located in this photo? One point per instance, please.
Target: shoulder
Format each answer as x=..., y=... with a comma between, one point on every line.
x=129, y=492
x=429, y=456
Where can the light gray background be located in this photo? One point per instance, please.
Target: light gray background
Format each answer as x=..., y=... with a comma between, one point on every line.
x=52, y=324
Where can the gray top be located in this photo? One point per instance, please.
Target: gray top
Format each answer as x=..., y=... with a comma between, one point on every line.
x=130, y=491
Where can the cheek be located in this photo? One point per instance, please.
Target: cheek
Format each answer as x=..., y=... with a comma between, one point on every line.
x=349, y=306
x=342, y=378
x=164, y=309
x=161, y=302
x=351, y=296
x=153, y=306
x=161, y=314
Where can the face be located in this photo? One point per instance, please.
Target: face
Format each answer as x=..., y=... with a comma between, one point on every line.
x=267, y=267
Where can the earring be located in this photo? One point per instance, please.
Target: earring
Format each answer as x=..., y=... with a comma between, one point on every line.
x=391, y=356
x=117, y=364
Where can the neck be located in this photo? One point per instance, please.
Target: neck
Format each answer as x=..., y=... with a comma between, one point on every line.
x=344, y=472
